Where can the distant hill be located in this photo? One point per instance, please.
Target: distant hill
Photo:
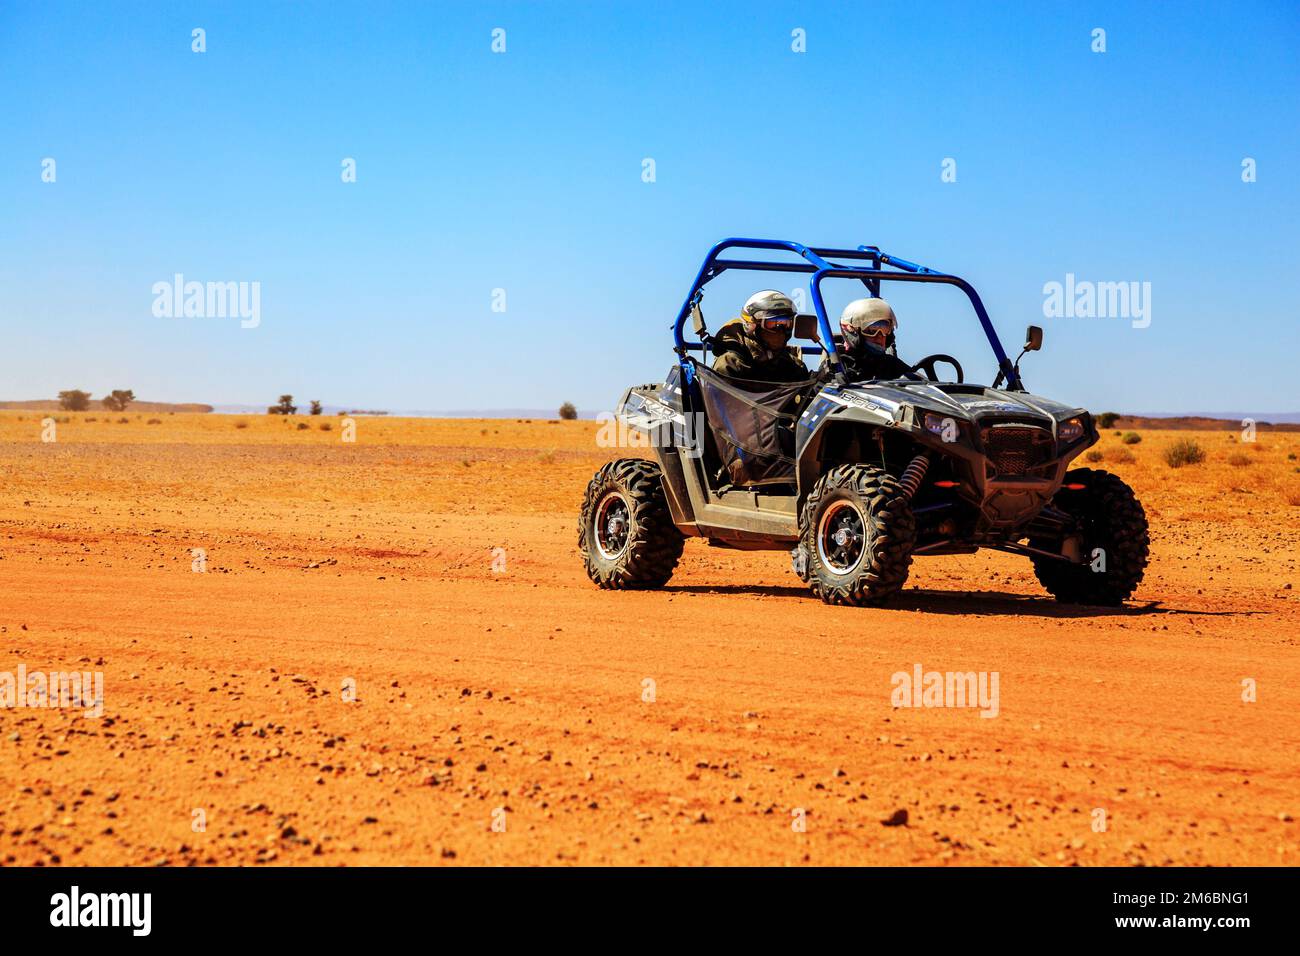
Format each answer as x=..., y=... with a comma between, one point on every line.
x=1263, y=422
x=52, y=405
x=541, y=413
x=1276, y=418
x=1191, y=421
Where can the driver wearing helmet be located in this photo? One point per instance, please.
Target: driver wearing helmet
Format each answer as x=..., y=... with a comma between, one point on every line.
x=868, y=327
x=756, y=345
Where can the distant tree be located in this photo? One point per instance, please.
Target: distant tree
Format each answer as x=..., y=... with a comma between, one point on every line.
x=1107, y=419
x=315, y=406
x=568, y=412
x=118, y=399
x=286, y=407
x=74, y=400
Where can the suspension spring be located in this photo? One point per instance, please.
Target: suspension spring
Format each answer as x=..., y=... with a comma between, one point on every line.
x=913, y=475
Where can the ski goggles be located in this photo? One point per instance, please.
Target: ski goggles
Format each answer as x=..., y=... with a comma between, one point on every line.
x=776, y=323
x=877, y=330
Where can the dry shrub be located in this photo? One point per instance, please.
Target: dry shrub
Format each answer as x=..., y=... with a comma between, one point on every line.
x=1094, y=456
x=154, y=421
x=326, y=426
x=1131, y=438
x=303, y=426
x=241, y=424
x=1239, y=460
x=1185, y=451
x=1122, y=456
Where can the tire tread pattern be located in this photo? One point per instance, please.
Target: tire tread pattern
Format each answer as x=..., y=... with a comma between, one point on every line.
x=885, y=567
x=654, y=546
x=1117, y=524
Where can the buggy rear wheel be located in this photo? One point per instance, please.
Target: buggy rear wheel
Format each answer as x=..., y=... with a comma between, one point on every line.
x=626, y=533
x=856, y=534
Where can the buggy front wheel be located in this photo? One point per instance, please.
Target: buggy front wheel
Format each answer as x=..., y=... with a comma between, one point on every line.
x=856, y=534
x=1112, y=538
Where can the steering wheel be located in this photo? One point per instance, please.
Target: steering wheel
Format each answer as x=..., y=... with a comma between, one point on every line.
x=927, y=365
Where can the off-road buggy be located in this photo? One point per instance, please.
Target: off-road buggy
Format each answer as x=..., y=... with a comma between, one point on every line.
x=857, y=477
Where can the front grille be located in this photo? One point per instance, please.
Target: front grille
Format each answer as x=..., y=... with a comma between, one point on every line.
x=1015, y=449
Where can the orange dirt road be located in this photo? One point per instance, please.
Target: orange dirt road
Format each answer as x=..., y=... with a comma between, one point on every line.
x=508, y=712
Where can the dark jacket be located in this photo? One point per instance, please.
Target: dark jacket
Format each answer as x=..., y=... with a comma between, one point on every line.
x=742, y=355
x=864, y=362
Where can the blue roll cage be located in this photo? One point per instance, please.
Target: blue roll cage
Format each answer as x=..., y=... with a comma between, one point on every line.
x=817, y=262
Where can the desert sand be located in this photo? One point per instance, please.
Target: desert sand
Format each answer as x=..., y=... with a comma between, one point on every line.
x=432, y=565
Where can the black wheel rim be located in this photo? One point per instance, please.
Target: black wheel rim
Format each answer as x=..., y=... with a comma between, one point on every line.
x=841, y=538
x=612, y=525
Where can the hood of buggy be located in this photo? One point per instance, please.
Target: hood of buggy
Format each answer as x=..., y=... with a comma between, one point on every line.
x=902, y=401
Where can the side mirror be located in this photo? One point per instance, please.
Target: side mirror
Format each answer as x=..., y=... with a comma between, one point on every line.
x=1033, y=338
x=805, y=327
x=697, y=319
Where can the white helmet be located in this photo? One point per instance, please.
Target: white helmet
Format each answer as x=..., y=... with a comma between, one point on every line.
x=860, y=314
x=769, y=310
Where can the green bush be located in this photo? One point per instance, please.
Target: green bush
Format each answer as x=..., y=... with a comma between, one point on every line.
x=1131, y=438
x=1107, y=419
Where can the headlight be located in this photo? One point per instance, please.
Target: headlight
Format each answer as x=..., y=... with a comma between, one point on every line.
x=945, y=426
x=1070, y=431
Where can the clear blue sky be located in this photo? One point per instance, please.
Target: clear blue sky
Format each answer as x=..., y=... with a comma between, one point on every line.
x=522, y=171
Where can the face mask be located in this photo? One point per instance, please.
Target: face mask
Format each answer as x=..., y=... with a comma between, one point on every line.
x=855, y=340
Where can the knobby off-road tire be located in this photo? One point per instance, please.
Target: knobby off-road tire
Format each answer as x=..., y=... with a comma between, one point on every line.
x=626, y=533
x=857, y=532
x=1112, y=519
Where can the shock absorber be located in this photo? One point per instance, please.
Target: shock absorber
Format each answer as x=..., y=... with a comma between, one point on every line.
x=913, y=475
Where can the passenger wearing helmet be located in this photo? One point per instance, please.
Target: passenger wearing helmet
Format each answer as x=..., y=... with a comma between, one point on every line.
x=868, y=328
x=756, y=345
